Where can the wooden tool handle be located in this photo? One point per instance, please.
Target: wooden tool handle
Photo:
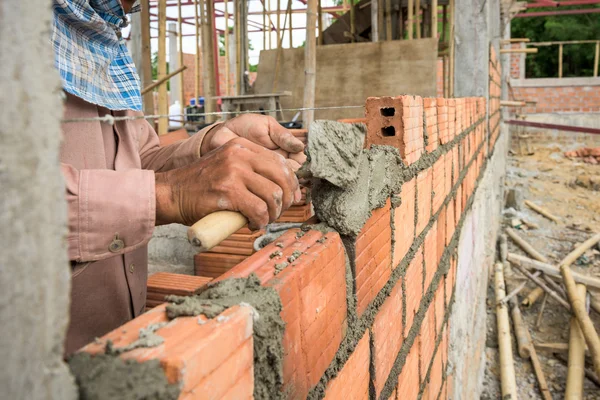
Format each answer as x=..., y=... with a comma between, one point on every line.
x=214, y=228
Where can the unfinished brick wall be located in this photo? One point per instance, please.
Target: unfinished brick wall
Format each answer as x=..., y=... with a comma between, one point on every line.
x=553, y=95
x=366, y=316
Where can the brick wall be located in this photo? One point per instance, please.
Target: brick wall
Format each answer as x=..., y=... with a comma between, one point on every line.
x=553, y=95
x=376, y=326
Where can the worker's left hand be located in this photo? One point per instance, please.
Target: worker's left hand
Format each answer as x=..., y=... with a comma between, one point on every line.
x=260, y=129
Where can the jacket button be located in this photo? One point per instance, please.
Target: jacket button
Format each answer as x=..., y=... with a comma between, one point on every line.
x=116, y=245
x=131, y=268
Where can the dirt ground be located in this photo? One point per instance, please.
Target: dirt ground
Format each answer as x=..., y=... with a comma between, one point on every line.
x=548, y=179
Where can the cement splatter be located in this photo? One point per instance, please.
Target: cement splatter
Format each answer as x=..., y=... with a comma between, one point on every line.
x=280, y=267
x=295, y=255
x=147, y=338
x=108, y=377
x=268, y=326
x=332, y=151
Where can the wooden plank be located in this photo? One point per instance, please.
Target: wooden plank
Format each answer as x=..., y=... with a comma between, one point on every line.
x=418, y=18
x=388, y=19
x=163, y=105
x=197, y=58
x=352, y=79
x=374, y=20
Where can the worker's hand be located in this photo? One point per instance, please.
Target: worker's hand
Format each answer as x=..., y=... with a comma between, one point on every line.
x=238, y=176
x=259, y=129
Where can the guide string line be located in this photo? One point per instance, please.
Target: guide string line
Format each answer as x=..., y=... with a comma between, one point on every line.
x=110, y=119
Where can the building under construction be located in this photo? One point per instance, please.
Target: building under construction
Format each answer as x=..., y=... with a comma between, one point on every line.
x=372, y=199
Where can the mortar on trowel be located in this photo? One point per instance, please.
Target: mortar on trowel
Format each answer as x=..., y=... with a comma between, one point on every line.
x=332, y=154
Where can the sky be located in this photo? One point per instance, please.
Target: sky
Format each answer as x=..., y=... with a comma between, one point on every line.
x=256, y=38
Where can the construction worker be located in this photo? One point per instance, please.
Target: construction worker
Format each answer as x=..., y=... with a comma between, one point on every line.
x=120, y=183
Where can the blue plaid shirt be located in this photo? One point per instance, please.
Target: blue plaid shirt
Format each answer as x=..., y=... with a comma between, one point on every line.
x=91, y=56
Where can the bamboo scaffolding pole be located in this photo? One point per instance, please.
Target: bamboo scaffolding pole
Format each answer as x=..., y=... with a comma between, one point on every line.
x=400, y=23
x=268, y=11
x=511, y=103
x=320, y=23
x=380, y=19
x=560, y=60
x=163, y=104
x=238, y=46
x=551, y=270
x=515, y=40
x=507, y=368
x=541, y=210
x=278, y=26
x=576, y=363
x=578, y=306
x=418, y=18
x=353, y=20
x=291, y=29
x=518, y=289
x=208, y=59
x=525, y=51
x=310, y=63
x=589, y=374
x=146, y=56
x=264, y=25
x=227, y=73
x=526, y=247
x=280, y=50
x=523, y=341
x=532, y=297
x=197, y=58
x=526, y=349
x=410, y=19
x=545, y=287
x=388, y=20
x=538, y=320
x=596, y=58
x=162, y=80
x=180, y=54
x=434, y=19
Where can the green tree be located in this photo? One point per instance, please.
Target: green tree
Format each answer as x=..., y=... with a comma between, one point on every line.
x=155, y=69
x=578, y=59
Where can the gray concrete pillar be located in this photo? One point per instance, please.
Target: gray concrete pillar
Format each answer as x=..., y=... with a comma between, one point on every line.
x=35, y=278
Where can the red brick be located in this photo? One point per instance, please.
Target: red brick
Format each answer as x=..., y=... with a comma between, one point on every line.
x=387, y=336
x=313, y=296
x=447, y=173
x=430, y=254
x=373, y=256
x=435, y=377
x=455, y=166
x=414, y=287
x=398, y=122
x=213, y=265
x=408, y=379
x=214, y=354
x=431, y=123
x=352, y=382
x=439, y=301
x=441, y=234
x=438, y=184
x=424, y=188
x=450, y=223
x=458, y=204
x=427, y=339
x=404, y=222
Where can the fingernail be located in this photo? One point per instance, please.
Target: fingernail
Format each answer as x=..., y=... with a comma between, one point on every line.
x=297, y=196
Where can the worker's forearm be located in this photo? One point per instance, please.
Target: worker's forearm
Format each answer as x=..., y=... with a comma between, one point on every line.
x=166, y=207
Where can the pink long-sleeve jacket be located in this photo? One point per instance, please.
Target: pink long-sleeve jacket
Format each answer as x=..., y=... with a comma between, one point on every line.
x=109, y=173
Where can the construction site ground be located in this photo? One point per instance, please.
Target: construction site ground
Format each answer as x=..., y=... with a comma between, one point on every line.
x=548, y=178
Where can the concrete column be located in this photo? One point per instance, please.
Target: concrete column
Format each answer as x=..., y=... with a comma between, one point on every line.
x=476, y=25
x=35, y=278
x=173, y=62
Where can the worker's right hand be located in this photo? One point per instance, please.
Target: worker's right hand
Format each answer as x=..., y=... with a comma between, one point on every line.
x=238, y=176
